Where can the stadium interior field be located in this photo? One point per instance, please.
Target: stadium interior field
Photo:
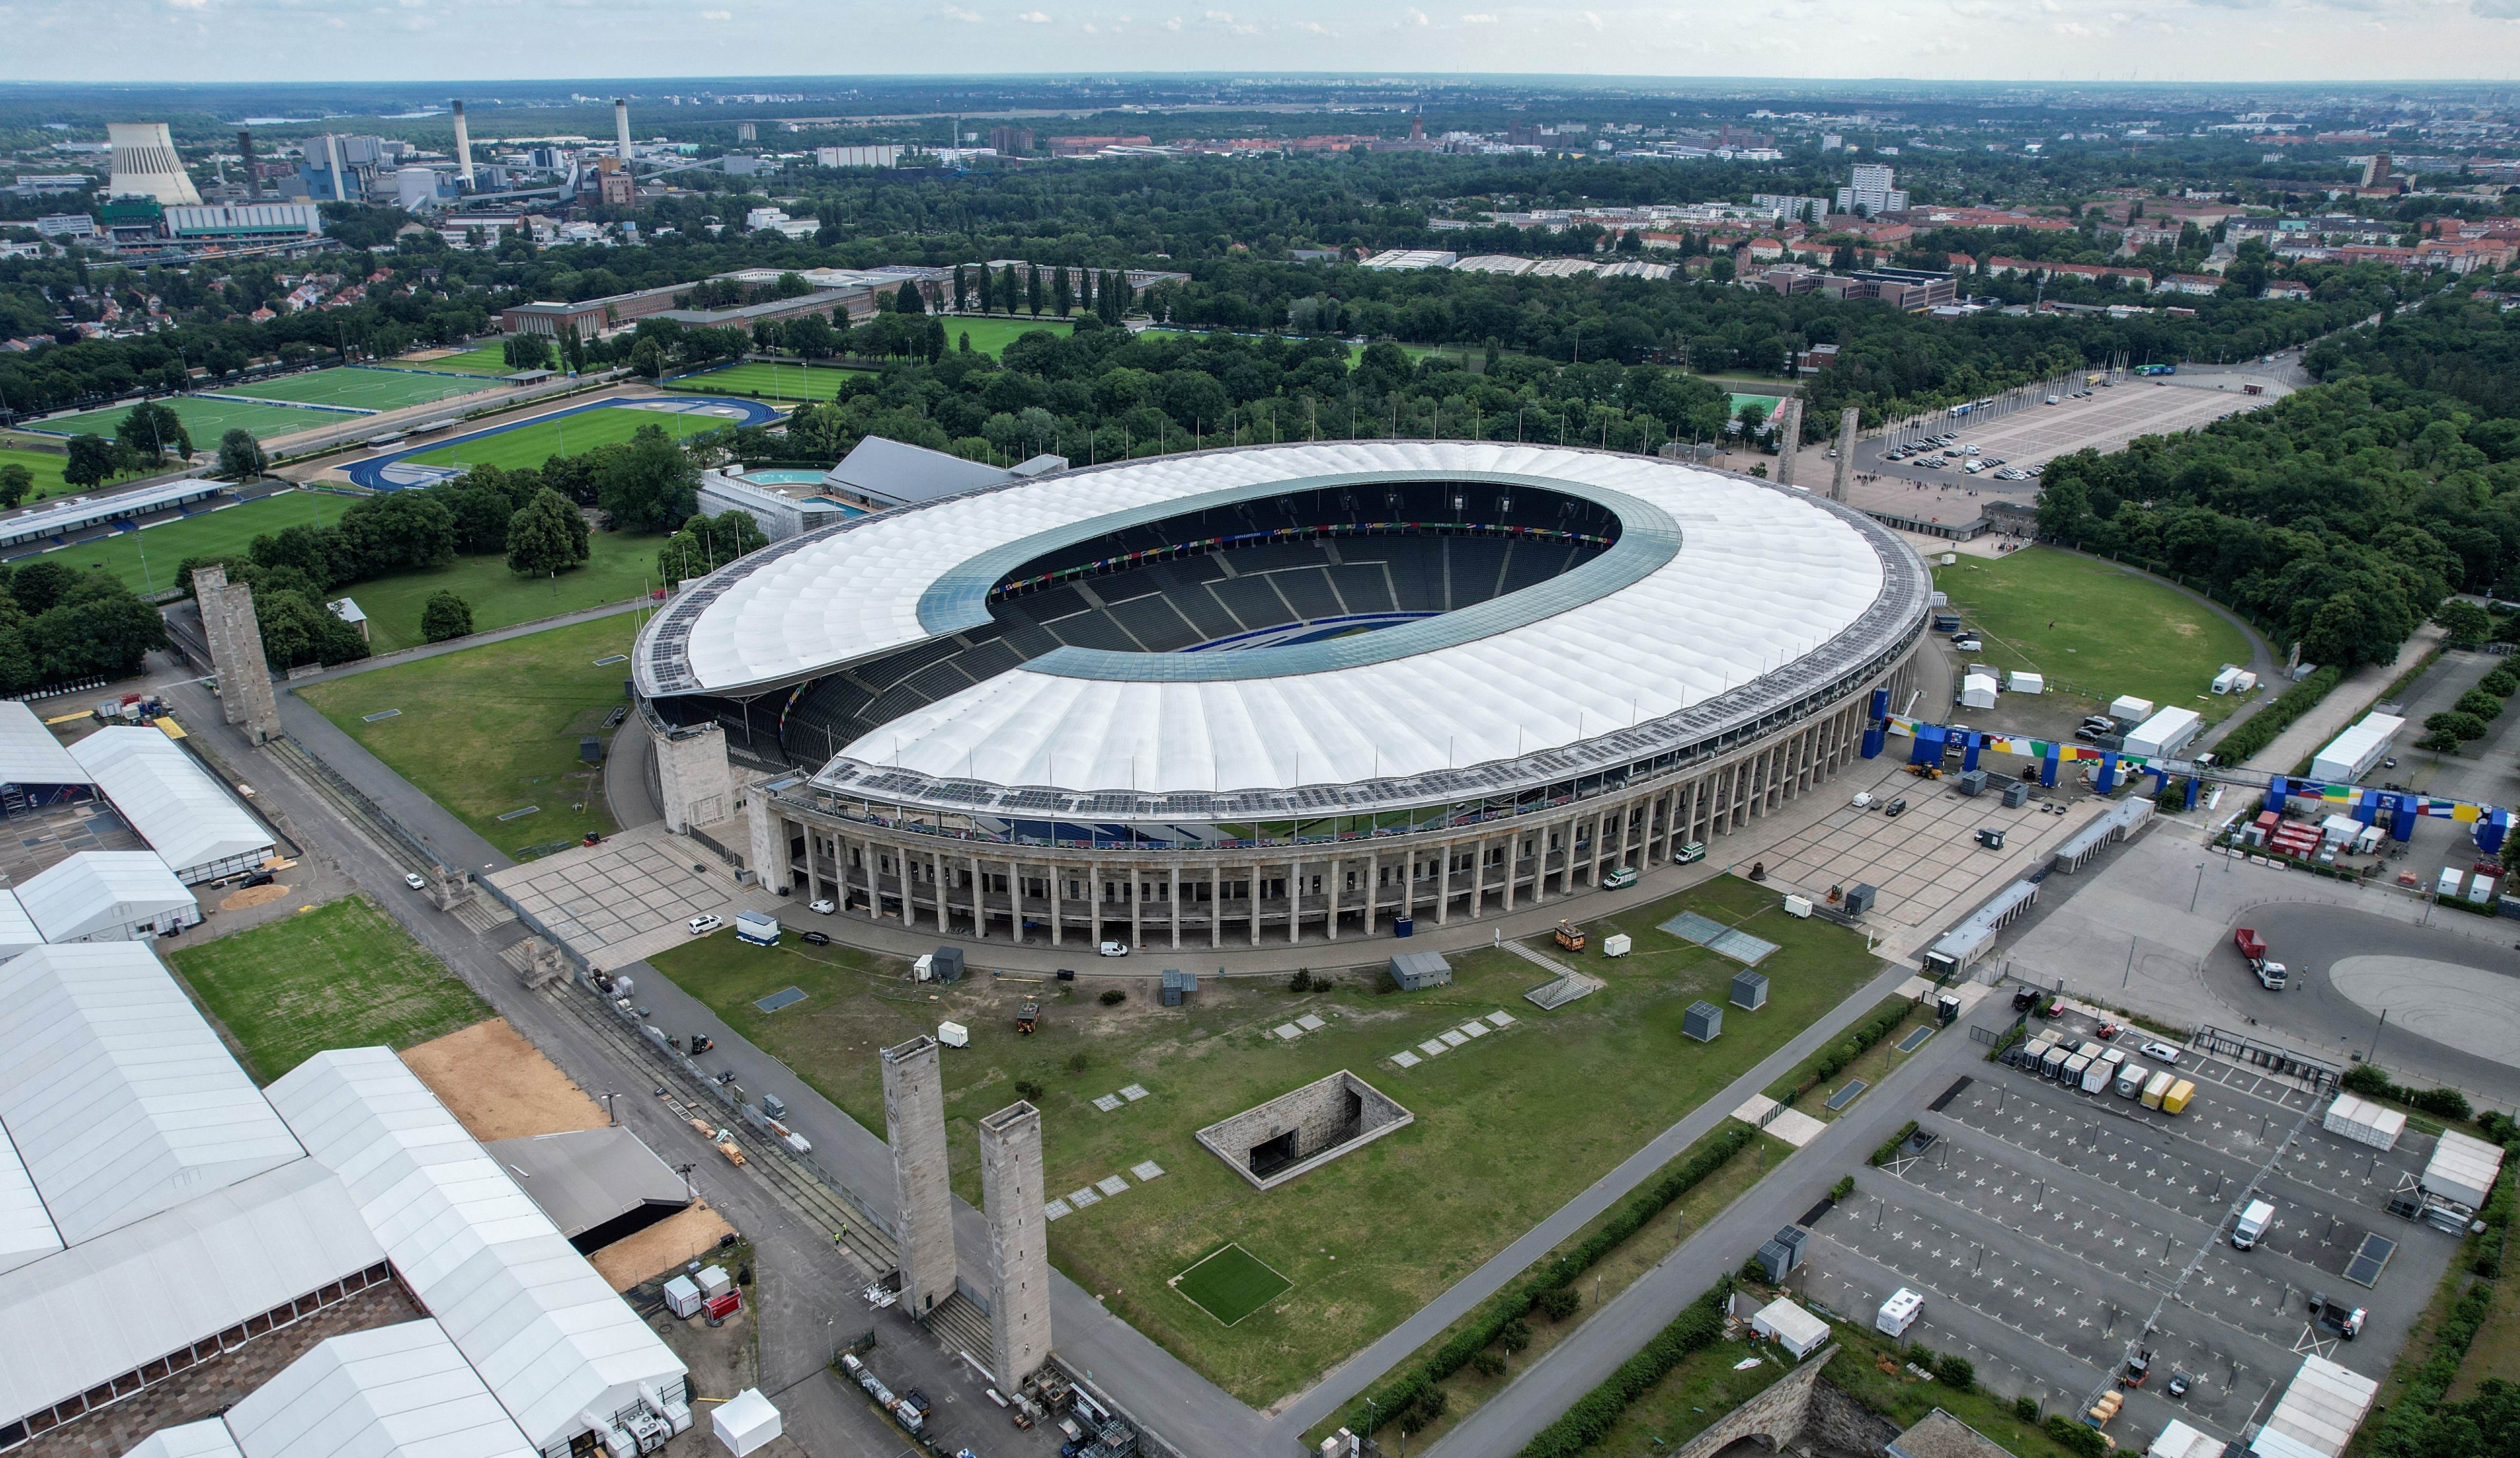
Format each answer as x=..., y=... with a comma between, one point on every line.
x=1309, y=565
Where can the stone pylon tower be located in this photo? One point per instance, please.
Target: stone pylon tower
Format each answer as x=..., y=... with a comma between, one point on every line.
x=1019, y=1238
x=1789, y=438
x=1846, y=424
x=236, y=653
x=913, y=1116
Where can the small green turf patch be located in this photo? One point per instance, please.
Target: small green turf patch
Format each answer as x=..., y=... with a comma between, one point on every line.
x=342, y=976
x=362, y=389
x=992, y=334
x=1231, y=1283
x=618, y=568
x=2096, y=629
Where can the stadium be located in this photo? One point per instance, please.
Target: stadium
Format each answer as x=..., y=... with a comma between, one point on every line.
x=1283, y=692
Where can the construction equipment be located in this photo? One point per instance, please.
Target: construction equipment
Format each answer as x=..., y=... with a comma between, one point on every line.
x=2139, y=1366
x=1570, y=936
x=1926, y=771
x=726, y=1146
x=1028, y=1017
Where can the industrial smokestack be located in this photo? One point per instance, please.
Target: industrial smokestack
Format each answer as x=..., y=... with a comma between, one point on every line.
x=333, y=155
x=462, y=149
x=253, y=173
x=621, y=128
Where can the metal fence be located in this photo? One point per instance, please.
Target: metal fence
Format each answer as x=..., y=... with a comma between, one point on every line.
x=2267, y=1056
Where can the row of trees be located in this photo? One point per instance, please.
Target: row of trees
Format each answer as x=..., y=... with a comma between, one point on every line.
x=2341, y=517
x=58, y=624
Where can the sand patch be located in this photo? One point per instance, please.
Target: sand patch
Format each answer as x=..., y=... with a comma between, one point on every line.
x=253, y=895
x=499, y=1087
x=661, y=1247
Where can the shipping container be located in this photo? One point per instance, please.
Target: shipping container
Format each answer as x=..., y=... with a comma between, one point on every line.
x=2462, y=1168
x=2054, y=1063
x=2176, y=1101
x=2071, y=1074
x=2097, y=1076
x=2364, y=1121
x=2132, y=1080
x=2154, y=1089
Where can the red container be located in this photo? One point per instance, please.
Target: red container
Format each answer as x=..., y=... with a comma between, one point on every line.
x=725, y=1305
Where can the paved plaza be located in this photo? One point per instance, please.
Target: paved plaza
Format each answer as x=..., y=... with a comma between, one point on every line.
x=1926, y=862
x=626, y=898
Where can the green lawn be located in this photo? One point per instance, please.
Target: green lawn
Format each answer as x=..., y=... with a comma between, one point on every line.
x=770, y=382
x=992, y=334
x=342, y=976
x=146, y=559
x=620, y=568
x=205, y=420
x=484, y=359
x=362, y=389
x=535, y=441
x=46, y=466
x=2096, y=629
x=1231, y=1283
x=493, y=729
x=1508, y=1126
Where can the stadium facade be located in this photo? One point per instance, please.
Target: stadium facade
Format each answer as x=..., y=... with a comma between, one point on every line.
x=1200, y=700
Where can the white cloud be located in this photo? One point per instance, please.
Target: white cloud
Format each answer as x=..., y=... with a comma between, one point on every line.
x=1592, y=19
x=958, y=12
x=205, y=4
x=1173, y=24
x=1033, y=17
x=1479, y=20
x=717, y=15
x=1415, y=16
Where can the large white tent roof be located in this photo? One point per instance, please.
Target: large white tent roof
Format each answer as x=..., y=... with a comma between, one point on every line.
x=398, y=1392
x=547, y=1334
x=18, y=930
x=100, y=891
x=187, y=816
x=118, y=1097
x=28, y=753
x=1747, y=580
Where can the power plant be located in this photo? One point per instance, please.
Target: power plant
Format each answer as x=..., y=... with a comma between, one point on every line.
x=462, y=149
x=621, y=128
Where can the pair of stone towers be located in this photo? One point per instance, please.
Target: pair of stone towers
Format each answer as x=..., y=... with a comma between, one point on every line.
x=1011, y=1187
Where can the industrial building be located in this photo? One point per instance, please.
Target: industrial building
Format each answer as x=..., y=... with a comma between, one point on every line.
x=1135, y=698
x=880, y=474
x=61, y=518
x=147, y=165
x=331, y=1266
x=778, y=514
x=2350, y=755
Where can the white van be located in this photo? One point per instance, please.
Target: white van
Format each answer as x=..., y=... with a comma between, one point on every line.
x=2253, y=1223
x=1897, y=1313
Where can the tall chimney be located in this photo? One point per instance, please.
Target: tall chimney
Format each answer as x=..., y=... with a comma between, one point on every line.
x=253, y=173
x=621, y=128
x=462, y=149
x=333, y=155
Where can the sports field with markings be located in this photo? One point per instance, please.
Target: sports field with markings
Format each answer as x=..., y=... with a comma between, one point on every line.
x=359, y=388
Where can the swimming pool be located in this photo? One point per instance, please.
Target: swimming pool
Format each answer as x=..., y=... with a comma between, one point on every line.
x=782, y=475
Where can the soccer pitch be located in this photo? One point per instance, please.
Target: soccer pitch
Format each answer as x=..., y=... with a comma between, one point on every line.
x=363, y=389
x=1231, y=1283
x=990, y=334
x=205, y=419
x=535, y=441
x=772, y=381
x=146, y=560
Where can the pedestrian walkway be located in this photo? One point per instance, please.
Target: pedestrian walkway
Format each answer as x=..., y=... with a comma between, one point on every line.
x=2346, y=703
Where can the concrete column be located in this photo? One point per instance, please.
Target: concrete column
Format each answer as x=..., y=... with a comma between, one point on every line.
x=1444, y=884
x=1846, y=421
x=1011, y=1190
x=914, y=1119
x=1175, y=871
x=1253, y=901
x=1373, y=889
x=1137, y=907
x=1094, y=902
x=1513, y=860
x=1056, y=938
x=1333, y=876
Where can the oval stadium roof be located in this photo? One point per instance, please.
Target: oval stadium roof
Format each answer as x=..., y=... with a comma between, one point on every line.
x=1716, y=582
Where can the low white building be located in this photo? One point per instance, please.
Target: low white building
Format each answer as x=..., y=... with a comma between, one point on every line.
x=188, y=817
x=1794, y=1328
x=108, y=896
x=2350, y=755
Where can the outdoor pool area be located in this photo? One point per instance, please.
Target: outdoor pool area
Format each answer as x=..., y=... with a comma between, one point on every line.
x=785, y=475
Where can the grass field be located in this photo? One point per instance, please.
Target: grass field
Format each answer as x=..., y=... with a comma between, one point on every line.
x=205, y=420
x=1230, y=1283
x=536, y=441
x=2096, y=630
x=46, y=466
x=495, y=728
x=770, y=382
x=1504, y=1132
x=619, y=569
x=363, y=390
x=992, y=334
x=214, y=533
x=485, y=359
x=342, y=976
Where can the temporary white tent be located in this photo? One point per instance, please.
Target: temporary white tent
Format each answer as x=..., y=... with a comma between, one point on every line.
x=16, y=928
x=2179, y=1440
x=1794, y=1328
x=746, y=1422
x=1978, y=691
x=395, y=1392
x=184, y=813
x=28, y=753
x=2462, y=1168
x=2317, y=1414
x=108, y=896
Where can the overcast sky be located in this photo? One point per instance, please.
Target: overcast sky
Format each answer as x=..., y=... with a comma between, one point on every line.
x=250, y=40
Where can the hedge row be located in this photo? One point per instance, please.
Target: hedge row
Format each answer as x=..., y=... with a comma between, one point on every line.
x=1406, y=1392
x=1590, y=1419
x=1889, y=1149
x=1836, y=1060
x=2373, y=1081
x=2260, y=729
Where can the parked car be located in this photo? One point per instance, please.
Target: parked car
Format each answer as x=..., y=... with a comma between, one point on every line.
x=815, y=939
x=701, y=926
x=823, y=907
x=1895, y=808
x=2161, y=1053
x=1113, y=949
x=413, y=879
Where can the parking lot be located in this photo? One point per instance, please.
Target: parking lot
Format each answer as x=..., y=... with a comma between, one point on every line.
x=2052, y=1232
x=1926, y=862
